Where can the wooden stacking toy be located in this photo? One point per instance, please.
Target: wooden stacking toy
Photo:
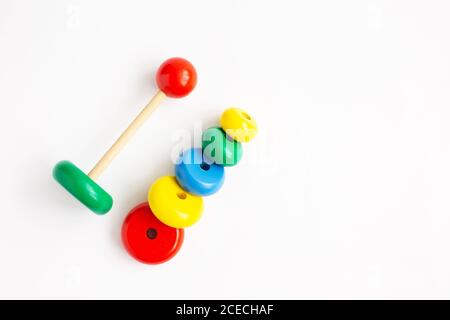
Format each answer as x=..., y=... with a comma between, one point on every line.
x=176, y=78
x=153, y=231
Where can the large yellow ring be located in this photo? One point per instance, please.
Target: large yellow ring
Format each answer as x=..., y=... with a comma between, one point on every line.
x=172, y=205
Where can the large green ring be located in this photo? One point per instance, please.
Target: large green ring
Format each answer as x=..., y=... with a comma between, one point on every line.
x=82, y=187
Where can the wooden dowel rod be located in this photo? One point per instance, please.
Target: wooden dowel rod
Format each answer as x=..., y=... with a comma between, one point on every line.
x=104, y=162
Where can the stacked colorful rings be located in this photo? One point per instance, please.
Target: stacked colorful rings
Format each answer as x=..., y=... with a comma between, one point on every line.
x=153, y=231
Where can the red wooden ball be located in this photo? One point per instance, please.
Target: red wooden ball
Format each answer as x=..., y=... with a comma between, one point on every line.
x=147, y=239
x=176, y=77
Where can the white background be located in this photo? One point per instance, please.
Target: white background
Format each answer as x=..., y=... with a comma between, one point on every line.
x=345, y=193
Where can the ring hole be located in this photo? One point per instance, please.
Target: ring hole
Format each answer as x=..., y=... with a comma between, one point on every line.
x=182, y=195
x=205, y=166
x=152, y=233
x=246, y=116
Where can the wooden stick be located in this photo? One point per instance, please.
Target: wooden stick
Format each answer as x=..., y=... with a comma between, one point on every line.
x=104, y=162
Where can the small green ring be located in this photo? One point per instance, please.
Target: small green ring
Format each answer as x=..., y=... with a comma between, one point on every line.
x=82, y=187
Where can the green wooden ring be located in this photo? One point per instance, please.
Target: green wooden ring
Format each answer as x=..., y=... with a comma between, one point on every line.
x=220, y=148
x=82, y=187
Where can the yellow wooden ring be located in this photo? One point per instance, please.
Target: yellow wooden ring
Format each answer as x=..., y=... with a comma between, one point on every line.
x=172, y=205
x=239, y=125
